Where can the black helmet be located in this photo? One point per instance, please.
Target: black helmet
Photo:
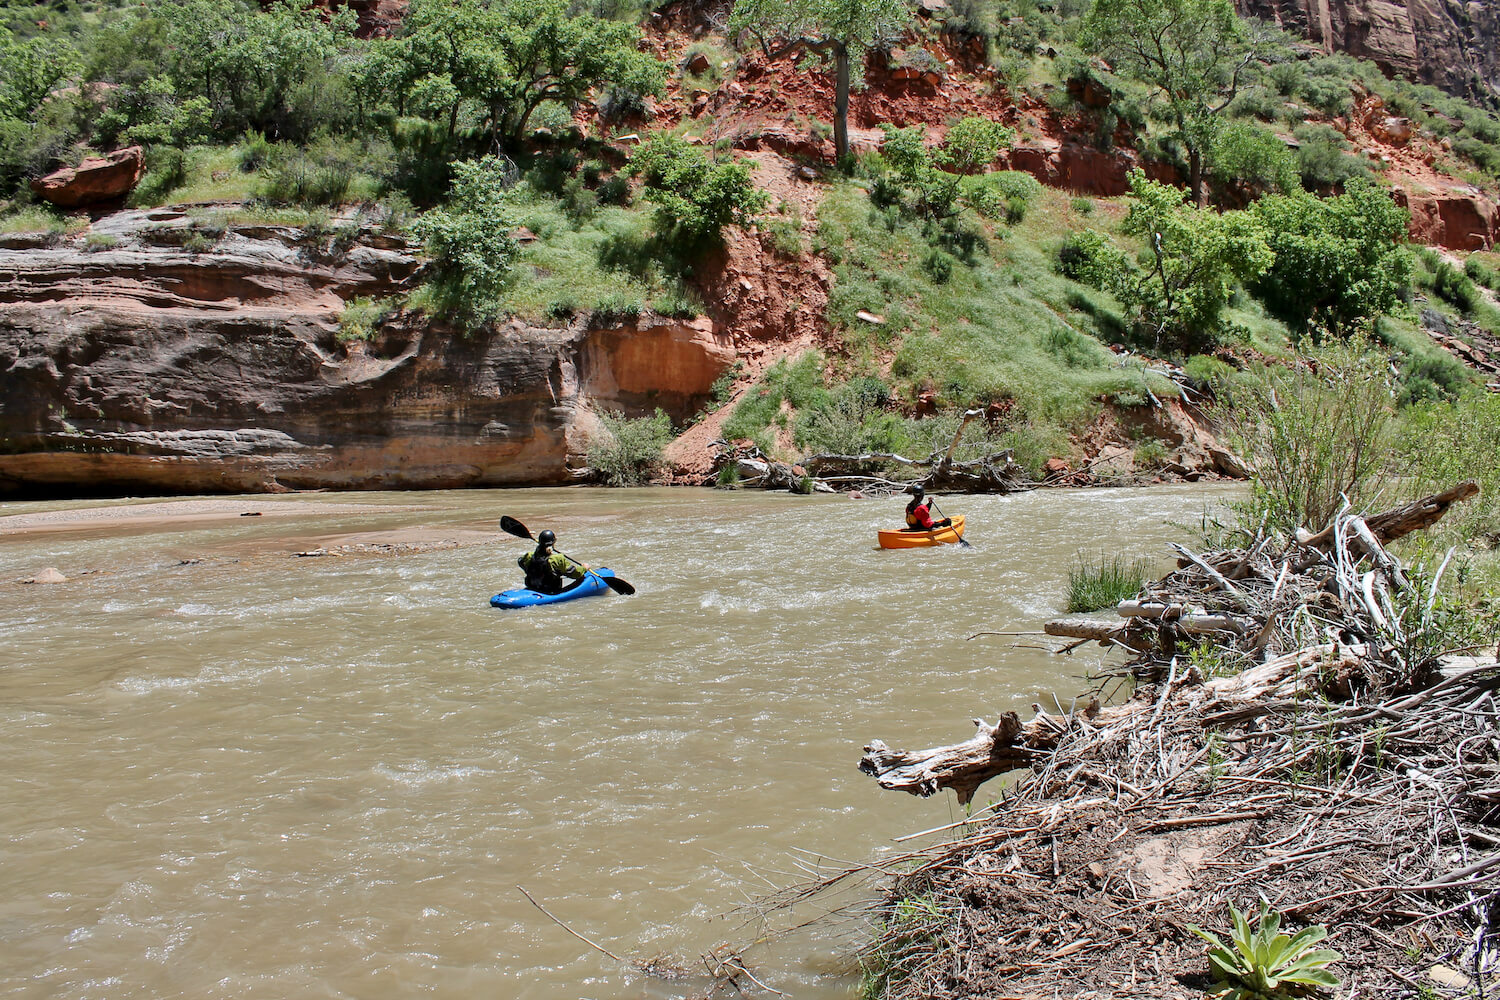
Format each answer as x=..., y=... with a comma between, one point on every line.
x=916, y=490
x=546, y=537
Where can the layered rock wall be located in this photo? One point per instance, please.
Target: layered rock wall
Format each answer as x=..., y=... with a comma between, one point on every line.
x=139, y=359
x=1451, y=44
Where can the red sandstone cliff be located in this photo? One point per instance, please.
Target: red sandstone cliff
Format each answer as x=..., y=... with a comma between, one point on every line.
x=133, y=363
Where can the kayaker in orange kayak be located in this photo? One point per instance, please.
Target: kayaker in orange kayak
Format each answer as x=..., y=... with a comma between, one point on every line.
x=918, y=517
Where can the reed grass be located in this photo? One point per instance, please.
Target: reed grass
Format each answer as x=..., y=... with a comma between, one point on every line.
x=1094, y=585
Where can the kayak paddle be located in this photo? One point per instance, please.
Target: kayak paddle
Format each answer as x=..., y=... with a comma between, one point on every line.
x=961, y=540
x=511, y=526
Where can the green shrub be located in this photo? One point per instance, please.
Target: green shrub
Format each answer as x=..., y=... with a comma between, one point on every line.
x=1455, y=287
x=629, y=452
x=1479, y=273
x=362, y=316
x=1096, y=585
x=1322, y=158
x=1315, y=434
x=728, y=477
x=695, y=199
x=1440, y=443
x=166, y=171
x=470, y=244
x=1150, y=454
x=293, y=175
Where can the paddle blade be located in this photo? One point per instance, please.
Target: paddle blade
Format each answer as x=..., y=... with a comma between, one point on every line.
x=617, y=585
x=511, y=526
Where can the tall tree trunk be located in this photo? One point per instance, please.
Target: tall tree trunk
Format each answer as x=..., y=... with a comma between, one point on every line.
x=1195, y=174
x=840, y=102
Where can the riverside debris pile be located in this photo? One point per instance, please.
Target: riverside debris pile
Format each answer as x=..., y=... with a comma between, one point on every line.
x=1298, y=737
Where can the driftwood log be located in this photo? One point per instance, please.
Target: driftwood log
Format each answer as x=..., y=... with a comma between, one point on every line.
x=993, y=473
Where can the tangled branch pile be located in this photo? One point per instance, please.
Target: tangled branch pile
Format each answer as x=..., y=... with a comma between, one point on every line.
x=1340, y=585
x=1316, y=747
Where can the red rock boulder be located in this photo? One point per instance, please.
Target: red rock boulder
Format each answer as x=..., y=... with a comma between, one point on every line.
x=93, y=181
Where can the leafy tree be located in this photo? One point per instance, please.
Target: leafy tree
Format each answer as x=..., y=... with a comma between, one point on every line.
x=1244, y=155
x=508, y=57
x=34, y=132
x=695, y=199
x=1193, y=257
x=1192, y=52
x=469, y=242
x=833, y=28
x=267, y=69
x=29, y=70
x=1339, y=261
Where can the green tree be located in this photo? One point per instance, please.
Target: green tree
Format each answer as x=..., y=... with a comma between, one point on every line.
x=1339, y=261
x=835, y=28
x=1193, y=258
x=266, y=69
x=29, y=70
x=508, y=57
x=695, y=199
x=469, y=243
x=1192, y=52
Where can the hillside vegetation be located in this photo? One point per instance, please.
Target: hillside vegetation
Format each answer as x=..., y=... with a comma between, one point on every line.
x=581, y=161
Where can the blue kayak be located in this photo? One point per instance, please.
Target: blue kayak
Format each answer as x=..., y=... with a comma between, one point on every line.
x=591, y=584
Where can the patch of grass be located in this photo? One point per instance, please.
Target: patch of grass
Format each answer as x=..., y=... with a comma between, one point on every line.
x=1000, y=323
x=587, y=264
x=1094, y=585
x=32, y=219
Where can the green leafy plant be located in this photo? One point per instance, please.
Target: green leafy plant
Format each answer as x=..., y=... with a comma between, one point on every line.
x=1260, y=963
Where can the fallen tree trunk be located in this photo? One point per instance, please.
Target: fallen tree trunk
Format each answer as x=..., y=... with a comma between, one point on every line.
x=1390, y=525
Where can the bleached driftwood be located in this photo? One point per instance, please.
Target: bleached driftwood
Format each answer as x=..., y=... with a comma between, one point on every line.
x=1010, y=744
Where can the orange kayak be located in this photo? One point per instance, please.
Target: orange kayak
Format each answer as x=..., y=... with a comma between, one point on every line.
x=897, y=539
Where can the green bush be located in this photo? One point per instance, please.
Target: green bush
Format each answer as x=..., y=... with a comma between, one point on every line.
x=629, y=452
x=166, y=171
x=1338, y=262
x=1481, y=274
x=293, y=175
x=362, y=317
x=695, y=199
x=1322, y=158
x=469, y=244
x=1315, y=433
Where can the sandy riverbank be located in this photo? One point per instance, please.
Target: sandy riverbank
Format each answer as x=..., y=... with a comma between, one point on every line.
x=167, y=512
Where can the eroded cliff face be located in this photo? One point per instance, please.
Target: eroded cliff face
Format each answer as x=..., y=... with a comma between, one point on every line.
x=1451, y=44
x=155, y=355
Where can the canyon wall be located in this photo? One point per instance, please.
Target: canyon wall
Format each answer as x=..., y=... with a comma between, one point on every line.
x=156, y=354
x=1451, y=44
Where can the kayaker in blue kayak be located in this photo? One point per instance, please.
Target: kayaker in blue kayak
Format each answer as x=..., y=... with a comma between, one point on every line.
x=918, y=518
x=545, y=567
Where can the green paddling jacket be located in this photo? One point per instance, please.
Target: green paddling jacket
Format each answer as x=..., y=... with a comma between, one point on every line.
x=545, y=570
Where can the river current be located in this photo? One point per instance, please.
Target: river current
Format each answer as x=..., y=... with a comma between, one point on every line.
x=230, y=771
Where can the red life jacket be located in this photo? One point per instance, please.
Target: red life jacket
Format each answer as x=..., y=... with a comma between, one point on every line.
x=917, y=516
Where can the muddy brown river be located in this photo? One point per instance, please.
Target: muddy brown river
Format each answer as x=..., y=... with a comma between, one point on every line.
x=230, y=771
